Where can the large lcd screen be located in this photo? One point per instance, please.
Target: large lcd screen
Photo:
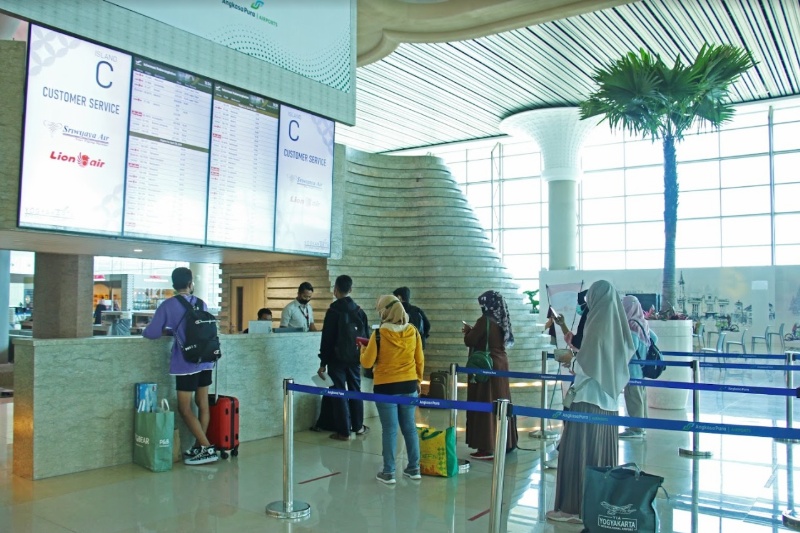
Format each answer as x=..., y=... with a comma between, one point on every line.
x=244, y=143
x=76, y=121
x=116, y=144
x=305, y=183
x=168, y=148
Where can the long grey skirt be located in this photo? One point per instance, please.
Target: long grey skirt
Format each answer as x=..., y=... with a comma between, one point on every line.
x=583, y=445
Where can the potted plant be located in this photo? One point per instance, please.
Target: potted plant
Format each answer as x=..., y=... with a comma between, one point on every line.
x=532, y=300
x=645, y=96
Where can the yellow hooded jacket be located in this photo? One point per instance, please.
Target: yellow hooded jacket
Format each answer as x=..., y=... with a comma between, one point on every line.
x=401, y=357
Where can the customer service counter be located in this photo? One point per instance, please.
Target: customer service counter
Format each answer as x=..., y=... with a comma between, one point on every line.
x=74, y=398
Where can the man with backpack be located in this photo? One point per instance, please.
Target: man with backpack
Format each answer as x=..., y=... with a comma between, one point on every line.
x=340, y=357
x=192, y=371
x=416, y=316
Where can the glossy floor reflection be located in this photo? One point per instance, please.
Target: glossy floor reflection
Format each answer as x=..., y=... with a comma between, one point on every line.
x=742, y=488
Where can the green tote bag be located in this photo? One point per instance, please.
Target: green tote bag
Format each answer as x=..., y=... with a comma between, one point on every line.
x=152, y=439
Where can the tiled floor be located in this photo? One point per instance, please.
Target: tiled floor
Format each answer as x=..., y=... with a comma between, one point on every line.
x=742, y=488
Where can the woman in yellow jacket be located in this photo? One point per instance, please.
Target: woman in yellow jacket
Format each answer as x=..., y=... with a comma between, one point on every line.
x=395, y=354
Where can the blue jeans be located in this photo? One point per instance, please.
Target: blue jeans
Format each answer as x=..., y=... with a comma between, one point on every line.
x=390, y=414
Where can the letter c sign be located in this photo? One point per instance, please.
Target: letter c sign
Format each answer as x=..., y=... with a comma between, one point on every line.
x=97, y=74
x=293, y=136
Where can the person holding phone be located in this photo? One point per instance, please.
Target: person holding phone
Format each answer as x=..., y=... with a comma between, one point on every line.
x=492, y=329
x=550, y=326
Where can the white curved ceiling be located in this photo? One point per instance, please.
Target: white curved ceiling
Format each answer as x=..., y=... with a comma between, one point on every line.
x=426, y=94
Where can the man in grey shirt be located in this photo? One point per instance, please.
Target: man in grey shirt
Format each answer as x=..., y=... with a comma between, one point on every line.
x=298, y=313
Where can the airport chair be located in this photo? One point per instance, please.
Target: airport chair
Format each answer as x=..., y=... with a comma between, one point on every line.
x=698, y=339
x=780, y=335
x=764, y=338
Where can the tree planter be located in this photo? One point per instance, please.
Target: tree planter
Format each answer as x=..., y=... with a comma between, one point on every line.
x=673, y=336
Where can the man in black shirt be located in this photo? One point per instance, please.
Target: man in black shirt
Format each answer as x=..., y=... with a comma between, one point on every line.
x=416, y=316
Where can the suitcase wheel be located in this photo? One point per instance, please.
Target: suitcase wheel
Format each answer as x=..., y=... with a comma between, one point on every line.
x=223, y=454
x=235, y=451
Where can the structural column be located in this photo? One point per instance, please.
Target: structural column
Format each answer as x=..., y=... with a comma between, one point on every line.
x=5, y=284
x=203, y=284
x=560, y=134
x=62, y=306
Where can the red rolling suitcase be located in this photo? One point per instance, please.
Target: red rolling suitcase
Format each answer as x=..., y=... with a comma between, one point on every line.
x=223, y=427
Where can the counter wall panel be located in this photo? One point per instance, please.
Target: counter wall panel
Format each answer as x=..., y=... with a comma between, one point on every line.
x=81, y=392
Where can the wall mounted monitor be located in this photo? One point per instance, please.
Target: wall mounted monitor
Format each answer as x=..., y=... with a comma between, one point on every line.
x=166, y=188
x=241, y=195
x=305, y=183
x=76, y=121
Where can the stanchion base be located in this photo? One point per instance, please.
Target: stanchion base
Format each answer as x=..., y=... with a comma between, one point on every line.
x=549, y=434
x=787, y=441
x=791, y=519
x=299, y=510
x=463, y=466
x=693, y=453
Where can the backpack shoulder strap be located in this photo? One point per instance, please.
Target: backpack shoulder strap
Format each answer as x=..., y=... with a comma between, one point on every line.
x=378, y=340
x=186, y=305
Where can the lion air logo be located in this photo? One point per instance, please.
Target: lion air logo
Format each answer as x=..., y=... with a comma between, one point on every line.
x=82, y=160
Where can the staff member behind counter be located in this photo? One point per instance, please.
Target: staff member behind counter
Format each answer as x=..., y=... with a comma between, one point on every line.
x=298, y=313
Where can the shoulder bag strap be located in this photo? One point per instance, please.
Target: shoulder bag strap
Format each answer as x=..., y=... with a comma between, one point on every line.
x=487, y=334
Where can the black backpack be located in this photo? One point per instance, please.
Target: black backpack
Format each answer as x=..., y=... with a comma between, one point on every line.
x=415, y=319
x=202, y=340
x=350, y=326
x=653, y=354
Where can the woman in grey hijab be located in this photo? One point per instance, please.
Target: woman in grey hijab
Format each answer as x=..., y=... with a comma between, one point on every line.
x=601, y=372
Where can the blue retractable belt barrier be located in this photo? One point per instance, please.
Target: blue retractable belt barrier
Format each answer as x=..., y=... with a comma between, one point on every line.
x=389, y=398
x=655, y=423
x=732, y=355
x=568, y=416
x=770, y=391
x=783, y=368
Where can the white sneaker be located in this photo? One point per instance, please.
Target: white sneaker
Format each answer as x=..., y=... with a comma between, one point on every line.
x=551, y=464
x=204, y=456
x=632, y=434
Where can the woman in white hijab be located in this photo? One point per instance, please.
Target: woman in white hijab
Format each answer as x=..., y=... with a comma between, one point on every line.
x=601, y=372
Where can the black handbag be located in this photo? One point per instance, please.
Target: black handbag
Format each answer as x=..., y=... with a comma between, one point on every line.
x=619, y=498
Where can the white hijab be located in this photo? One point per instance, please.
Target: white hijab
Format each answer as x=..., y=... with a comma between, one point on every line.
x=607, y=343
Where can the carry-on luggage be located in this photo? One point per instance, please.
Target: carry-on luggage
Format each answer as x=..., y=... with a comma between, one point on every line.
x=223, y=426
x=439, y=387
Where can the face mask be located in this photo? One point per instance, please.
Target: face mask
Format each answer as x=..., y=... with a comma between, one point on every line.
x=582, y=309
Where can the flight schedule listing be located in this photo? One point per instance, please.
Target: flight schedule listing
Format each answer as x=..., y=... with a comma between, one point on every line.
x=168, y=154
x=244, y=142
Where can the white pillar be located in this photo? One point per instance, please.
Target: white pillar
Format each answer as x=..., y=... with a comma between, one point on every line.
x=5, y=288
x=203, y=283
x=560, y=134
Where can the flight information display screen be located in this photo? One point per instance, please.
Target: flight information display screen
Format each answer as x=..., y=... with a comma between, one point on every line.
x=120, y=145
x=244, y=144
x=168, y=150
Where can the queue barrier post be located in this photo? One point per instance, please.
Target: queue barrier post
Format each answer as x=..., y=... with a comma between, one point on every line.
x=791, y=519
x=463, y=464
x=544, y=433
x=695, y=452
x=790, y=357
x=500, y=443
x=289, y=507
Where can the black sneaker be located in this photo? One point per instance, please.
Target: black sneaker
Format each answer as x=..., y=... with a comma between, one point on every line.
x=205, y=455
x=191, y=452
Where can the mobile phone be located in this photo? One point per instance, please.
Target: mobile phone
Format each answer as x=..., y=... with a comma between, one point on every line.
x=553, y=312
x=464, y=323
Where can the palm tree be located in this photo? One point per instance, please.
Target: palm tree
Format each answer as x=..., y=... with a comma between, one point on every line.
x=644, y=96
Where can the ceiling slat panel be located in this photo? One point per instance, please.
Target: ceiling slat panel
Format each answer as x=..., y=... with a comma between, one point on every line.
x=425, y=94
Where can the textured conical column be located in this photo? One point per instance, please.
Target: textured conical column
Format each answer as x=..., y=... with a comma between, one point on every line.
x=560, y=135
